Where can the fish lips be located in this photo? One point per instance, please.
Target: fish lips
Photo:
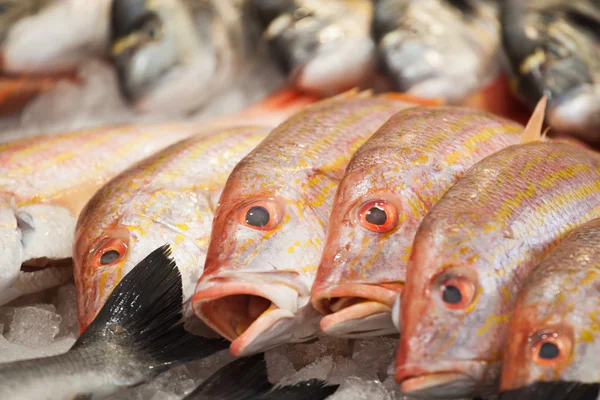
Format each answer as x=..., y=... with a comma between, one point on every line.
x=555, y=390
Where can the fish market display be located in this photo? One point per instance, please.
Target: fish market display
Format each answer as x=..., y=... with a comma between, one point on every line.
x=247, y=379
x=46, y=181
x=179, y=55
x=438, y=48
x=554, y=332
x=473, y=251
x=389, y=186
x=323, y=47
x=554, y=50
x=136, y=336
x=270, y=224
x=167, y=198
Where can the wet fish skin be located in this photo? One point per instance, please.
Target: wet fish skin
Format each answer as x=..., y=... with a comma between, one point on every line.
x=437, y=48
x=403, y=170
x=167, y=198
x=475, y=248
x=292, y=176
x=137, y=335
x=557, y=308
x=323, y=47
x=46, y=180
x=178, y=55
x=51, y=36
x=553, y=49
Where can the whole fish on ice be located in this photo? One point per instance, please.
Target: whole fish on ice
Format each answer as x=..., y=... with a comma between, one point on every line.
x=473, y=251
x=554, y=335
x=270, y=224
x=178, y=55
x=324, y=47
x=137, y=335
x=389, y=186
x=442, y=49
x=554, y=50
x=167, y=198
x=45, y=181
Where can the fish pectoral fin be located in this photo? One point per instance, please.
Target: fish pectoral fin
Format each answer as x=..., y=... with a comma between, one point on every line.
x=246, y=378
x=533, y=130
x=145, y=309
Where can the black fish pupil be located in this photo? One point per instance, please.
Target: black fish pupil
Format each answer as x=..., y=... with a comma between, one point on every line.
x=451, y=295
x=549, y=351
x=258, y=216
x=376, y=216
x=109, y=257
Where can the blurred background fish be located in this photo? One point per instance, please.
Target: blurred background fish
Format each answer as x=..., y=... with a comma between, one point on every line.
x=438, y=48
x=179, y=55
x=324, y=47
x=554, y=50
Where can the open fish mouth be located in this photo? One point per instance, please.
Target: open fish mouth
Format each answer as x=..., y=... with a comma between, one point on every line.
x=254, y=316
x=356, y=310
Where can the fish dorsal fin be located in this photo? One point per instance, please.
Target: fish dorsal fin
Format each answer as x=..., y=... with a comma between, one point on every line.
x=533, y=130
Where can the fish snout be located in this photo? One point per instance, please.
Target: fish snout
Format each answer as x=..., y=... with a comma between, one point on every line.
x=356, y=310
x=440, y=379
x=253, y=313
x=11, y=256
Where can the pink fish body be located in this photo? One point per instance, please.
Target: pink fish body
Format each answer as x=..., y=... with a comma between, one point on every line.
x=473, y=251
x=390, y=184
x=168, y=198
x=46, y=180
x=554, y=333
x=271, y=220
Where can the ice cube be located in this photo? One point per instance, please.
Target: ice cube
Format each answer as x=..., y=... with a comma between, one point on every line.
x=66, y=307
x=375, y=354
x=358, y=389
x=319, y=369
x=302, y=354
x=34, y=326
x=278, y=366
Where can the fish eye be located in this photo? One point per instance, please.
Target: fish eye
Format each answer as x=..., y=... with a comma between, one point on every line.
x=457, y=292
x=378, y=216
x=110, y=251
x=551, y=347
x=260, y=214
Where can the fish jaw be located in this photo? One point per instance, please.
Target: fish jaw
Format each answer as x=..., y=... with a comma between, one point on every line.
x=254, y=313
x=356, y=310
x=39, y=235
x=442, y=379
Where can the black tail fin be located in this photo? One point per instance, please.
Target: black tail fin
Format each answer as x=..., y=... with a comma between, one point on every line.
x=313, y=389
x=557, y=390
x=246, y=379
x=144, y=312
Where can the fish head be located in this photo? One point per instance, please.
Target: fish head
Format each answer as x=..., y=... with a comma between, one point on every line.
x=554, y=332
x=562, y=63
x=159, y=61
x=361, y=272
x=453, y=320
x=51, y=37
x=324, y=48
x=434, y=49
x=111, y=240
x=264, y=250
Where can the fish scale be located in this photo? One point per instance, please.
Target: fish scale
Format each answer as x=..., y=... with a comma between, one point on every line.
x=410, y=162
x=294, y=172
x=168, y=197
x=486, y=234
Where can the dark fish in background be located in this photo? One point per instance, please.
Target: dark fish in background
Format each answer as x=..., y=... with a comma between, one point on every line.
x=554, y=50
x=246, y=379
x=179, y=55
x=136, y=336
x=323, y=46
x=444, y=49
x=554, y=336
